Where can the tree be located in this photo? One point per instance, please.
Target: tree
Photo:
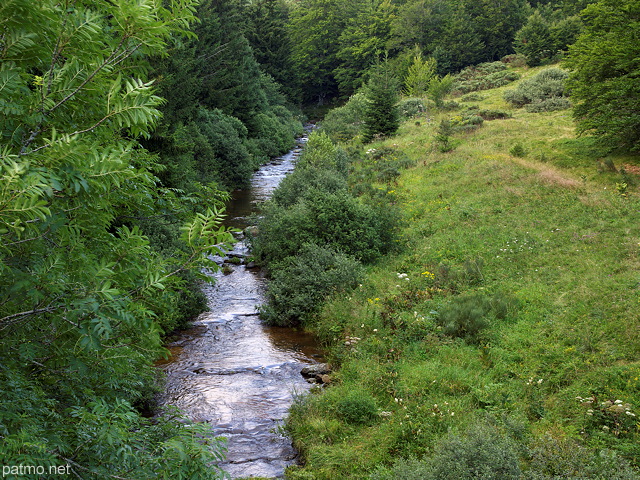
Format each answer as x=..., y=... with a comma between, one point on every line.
x=605, y=77
x=82, y=293
x=419, y=75
x=534, y=40
x=362, y=42
x=314, y=27
x=269, y=39
x=381, y=115
x=496, y=22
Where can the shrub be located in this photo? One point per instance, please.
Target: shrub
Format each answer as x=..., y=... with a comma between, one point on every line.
x=482, y=453
x=472, y=97
x=546, y=85
x=299, y=283
x=493, y=114
x=302, y=180
x=465, y=317
x=439, y=87
x=357, y=407
x=515, y=60
x=346, y=122
x=552, y=458
x=411, y=107
x=549, y=105
x=328, y=219
x=484, y=77
x=320, y=152
x=466, y=121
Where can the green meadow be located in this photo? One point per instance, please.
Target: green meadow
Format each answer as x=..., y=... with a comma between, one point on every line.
x=507, y=315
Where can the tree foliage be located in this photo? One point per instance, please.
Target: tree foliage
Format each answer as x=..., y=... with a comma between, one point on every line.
x=381, y=116
x=83, y=295
x=605, y=79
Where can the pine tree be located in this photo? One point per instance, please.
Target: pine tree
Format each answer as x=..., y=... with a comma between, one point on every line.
x=381, y=115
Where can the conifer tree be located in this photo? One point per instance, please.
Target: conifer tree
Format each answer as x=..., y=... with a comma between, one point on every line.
x=381, y=115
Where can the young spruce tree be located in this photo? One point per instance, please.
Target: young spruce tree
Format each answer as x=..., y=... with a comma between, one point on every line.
x=381, y=115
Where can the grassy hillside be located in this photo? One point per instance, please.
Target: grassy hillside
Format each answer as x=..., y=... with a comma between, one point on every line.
x=507, y=317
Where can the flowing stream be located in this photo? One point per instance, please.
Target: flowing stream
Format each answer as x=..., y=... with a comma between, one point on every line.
x=230, y=370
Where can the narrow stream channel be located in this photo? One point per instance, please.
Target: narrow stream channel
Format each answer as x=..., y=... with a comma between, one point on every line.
x=230, y=370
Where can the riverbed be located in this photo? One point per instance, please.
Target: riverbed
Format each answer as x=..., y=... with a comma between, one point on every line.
x=231, y=371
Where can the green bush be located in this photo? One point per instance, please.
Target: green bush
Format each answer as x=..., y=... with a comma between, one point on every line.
x=320, y=152
x=484, y=77
x=493, y=114
x=482, y=453
x=329, y=219
x=310, y=179
x=515, y=60
x=547, y=85
x=357, y=407
x=465, y=317
x=346, y=122
x=299, y=283
x=411, y=107
x=549, y=105
x=552, y=458
x=472, y=97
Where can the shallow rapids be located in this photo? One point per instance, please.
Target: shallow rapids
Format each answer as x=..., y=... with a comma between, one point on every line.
x=231, y=371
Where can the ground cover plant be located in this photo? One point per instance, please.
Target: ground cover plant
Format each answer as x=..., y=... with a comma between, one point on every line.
x=508, y=310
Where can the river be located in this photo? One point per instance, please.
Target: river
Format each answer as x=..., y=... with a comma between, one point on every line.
x=230, y=370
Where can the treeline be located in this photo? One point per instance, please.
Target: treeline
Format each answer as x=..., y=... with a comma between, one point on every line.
x=321, y=49
x=122, y=130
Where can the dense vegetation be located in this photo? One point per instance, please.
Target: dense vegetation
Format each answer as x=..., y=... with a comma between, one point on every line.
x=101, y=240
x=474, y=277
x=498, y=340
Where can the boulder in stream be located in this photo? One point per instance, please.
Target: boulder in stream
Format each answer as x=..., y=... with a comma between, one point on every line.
x=318, y=373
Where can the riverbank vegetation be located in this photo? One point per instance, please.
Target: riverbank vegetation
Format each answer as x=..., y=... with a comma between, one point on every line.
x=473, y=277
x=499, y=338
x=103, y=241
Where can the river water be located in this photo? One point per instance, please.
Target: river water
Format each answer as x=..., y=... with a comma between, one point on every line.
x=230, y=370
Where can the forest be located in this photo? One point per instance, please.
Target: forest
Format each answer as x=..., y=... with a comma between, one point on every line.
x=459, y=232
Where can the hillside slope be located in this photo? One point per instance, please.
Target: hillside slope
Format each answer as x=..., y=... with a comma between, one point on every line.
x=508, y=317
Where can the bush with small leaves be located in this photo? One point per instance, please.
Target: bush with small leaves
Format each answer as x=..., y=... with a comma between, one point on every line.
x=299, y=283
x=552, y=458
x=465, y=317
x=411, y=107
x=346, y=122
x=547, y=85
x=484, y=77
x=481, y=453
